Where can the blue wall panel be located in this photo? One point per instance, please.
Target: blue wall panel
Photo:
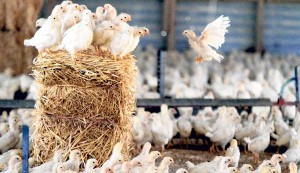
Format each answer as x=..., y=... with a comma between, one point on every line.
x=282, y=28
x=281, y=24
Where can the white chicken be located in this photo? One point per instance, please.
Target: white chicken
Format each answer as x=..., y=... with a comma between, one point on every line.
x=47, y=166
x=246, y=168
x=276, y=159
x=10, y=139
x=219, y=164
x=48, y=35
x=142, y=128
x=99, y=13
x=164, y=165
x=150, y=161
x=74, y=161
x=4, y=128
x=74, y=42
x=121, y=41
x=224, y=128
x=71, y=18
x=110, y=12
x=184, y=126
x=260, y=143
x=293, y=153
x=137, y=33
x=4, y=158
x=103, y=34
x=234, y=152
x=90, y=165
x=162, y=127
x=127, y=166
x=212, y=36
x=115, y=158
x=40, y=22
x=13, y=164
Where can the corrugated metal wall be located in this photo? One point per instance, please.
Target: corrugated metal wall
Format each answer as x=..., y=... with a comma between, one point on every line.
x=196, y=15
x=281, y=24
x=282, y=28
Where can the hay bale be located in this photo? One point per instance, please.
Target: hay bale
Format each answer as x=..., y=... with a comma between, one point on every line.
x=85, y=104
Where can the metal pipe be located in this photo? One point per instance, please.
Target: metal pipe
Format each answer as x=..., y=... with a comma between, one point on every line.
x=203, y=102
x=296, y=84
x=171, y=102
x=285, y=85
x=161, y=73
x=25, y=148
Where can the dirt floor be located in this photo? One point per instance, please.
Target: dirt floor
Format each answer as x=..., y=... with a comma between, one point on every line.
x=180, y=156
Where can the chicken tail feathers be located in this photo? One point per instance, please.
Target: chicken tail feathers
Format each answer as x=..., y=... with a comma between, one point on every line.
x=218, y=57
x=190, y=165
x=146, y=148
x=208, y=134
x=27, y=42
x=247, y=140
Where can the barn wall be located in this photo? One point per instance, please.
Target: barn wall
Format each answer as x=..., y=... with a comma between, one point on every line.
x=281, y=22
x=282, y=28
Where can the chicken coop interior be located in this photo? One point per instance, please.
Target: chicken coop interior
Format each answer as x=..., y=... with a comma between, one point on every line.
x=149, y=86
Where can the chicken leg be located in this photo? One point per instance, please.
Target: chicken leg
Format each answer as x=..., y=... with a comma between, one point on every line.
x=162, y=148
x=199, y=60
x=212, y=148
x=245, y=148
x=256, y=158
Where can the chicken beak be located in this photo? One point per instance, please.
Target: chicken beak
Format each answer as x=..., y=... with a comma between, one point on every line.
x=129, y=19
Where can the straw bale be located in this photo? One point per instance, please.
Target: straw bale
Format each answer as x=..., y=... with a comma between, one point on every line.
x=95, y=139
x=84, y=104
x=90, y=70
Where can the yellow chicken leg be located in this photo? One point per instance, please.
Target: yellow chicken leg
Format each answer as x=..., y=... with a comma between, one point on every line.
x=256, y=158
x=199, y=60
x=212, y=148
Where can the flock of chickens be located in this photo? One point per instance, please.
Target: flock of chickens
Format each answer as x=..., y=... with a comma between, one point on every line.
x=74, y=28
x=253, y=130
x=255, y=127
x=241, y=75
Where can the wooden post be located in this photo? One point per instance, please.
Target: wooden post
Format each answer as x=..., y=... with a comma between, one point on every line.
x=169, y=12
x=165, y=16
x=259, y=25
x=172, y=26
